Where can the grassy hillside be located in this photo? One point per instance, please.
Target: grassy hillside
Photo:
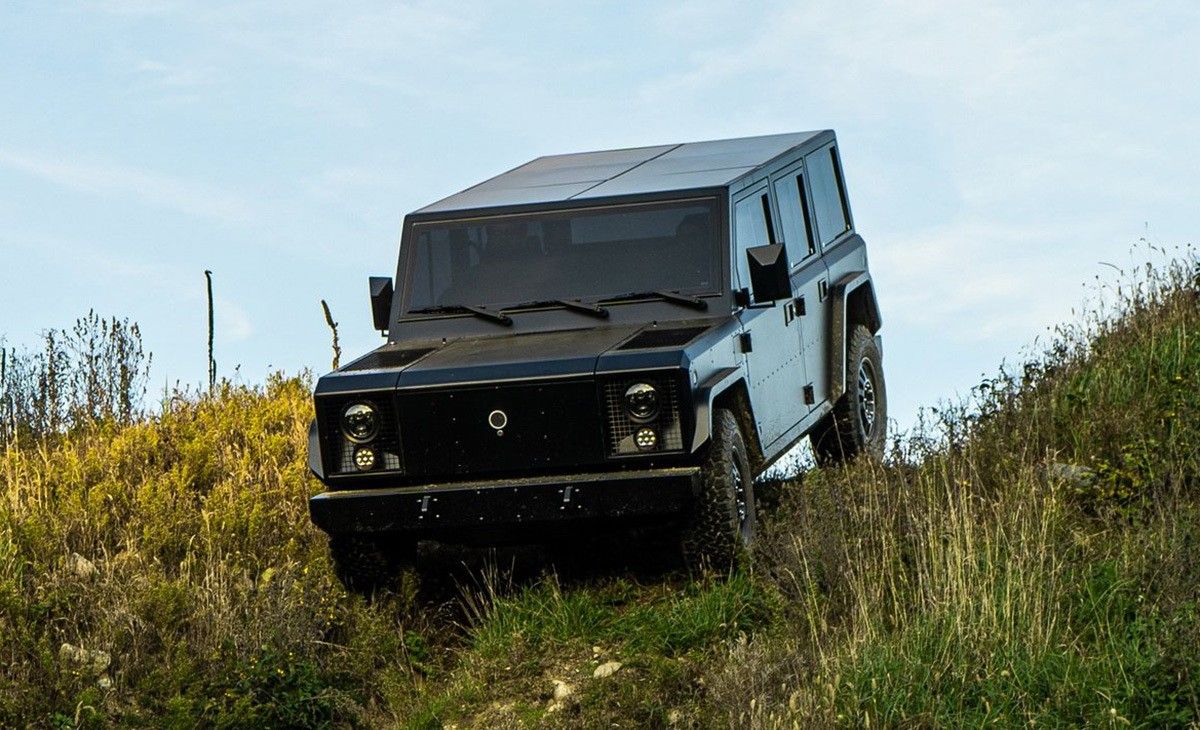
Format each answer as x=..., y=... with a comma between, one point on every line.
x=1028, y=557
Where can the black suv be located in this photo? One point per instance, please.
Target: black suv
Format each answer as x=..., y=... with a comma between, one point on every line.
x=604, y=338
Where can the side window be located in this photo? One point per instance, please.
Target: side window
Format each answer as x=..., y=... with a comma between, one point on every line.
x=828, y=193
x=793, y=210
x=752, y=219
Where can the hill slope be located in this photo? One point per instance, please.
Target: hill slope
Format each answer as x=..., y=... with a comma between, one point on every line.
x=1028, y=559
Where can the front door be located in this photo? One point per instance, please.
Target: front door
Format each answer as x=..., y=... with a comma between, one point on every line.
x=772, y=335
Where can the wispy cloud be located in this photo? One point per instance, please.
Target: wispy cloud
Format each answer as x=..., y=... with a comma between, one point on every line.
x=972, y=282
x=133, y=184
x=384, y=46
x=1034, y=158
x=174, y=76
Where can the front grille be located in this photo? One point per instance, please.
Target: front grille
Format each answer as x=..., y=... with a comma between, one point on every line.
x=649, y=338
x=545, y=426
x=339, y=450
x=621, y=427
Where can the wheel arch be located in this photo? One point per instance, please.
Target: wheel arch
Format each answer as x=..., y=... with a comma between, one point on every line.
x=853, y=303
x=862, y=308
x=727, y=388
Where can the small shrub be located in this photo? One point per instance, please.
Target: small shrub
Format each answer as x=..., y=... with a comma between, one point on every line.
x=95, y=372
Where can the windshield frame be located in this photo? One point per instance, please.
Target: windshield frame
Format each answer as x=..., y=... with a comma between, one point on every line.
x=716, y=197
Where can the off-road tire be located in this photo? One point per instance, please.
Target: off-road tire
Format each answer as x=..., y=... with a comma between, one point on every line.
x=721, y=525
x=368, y=563
x=848, y=430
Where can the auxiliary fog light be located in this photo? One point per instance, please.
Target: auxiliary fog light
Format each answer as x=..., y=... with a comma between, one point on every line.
x=645, y=439
x=364, y=458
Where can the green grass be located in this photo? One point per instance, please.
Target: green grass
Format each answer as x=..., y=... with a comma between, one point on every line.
x=969, y=580
x=1113, y=669
x=670, y=620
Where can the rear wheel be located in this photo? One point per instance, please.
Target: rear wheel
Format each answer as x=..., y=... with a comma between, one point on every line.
x=858, y=422
x=721, y=526
x=367, y=563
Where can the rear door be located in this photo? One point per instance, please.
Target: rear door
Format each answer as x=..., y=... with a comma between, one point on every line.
x=841, y=251
x=809, y=278
x=772, y=349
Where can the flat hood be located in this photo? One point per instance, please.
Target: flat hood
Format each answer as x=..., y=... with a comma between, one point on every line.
x=506, y=357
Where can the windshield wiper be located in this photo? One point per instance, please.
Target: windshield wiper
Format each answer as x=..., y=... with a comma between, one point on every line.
x=576, y=305
x=586, y=307
x=667, y=296
x=481, y=312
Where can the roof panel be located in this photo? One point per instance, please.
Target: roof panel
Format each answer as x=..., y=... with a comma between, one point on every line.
x=624, y=172
x=700, y=164
x=557, y=177
x=488, y=197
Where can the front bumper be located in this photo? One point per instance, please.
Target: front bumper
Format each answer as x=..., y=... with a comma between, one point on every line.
x=460, y=507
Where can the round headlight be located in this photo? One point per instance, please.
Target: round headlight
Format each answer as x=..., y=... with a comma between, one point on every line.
x=641, y=400
x=360, y=422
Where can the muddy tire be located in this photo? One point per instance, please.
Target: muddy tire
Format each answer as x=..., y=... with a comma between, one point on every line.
x=722, y=523
x=368, y=563
x=858, y=422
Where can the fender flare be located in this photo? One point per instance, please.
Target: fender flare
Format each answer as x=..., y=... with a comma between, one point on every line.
x=315, y=463
x=704, y=395
x=726, y=381
x=840, y=295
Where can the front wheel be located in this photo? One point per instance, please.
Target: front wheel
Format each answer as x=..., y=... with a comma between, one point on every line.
x=367, y=563
x=858, y=422
x=721, y=526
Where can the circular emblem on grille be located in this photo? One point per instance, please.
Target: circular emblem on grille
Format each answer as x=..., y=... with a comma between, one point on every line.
x=498, y=419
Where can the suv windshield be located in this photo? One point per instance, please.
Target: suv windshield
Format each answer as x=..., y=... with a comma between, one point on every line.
x=584, y=253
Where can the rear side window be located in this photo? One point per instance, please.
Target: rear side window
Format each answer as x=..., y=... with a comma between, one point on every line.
x=793, y=210
x=828, y=194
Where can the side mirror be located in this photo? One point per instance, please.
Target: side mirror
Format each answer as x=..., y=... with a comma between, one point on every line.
x=381, y=301
x=769, y=275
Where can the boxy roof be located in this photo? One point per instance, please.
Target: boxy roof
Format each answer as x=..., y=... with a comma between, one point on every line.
x=631, y=171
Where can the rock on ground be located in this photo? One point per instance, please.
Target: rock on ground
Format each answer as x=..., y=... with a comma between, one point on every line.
x=81, y=566
x=91, y=661
x=563, y=696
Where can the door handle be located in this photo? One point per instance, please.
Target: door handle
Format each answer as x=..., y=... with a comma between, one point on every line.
x=794, y=309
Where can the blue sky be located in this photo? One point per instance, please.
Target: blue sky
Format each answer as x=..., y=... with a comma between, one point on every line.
x=995, y=152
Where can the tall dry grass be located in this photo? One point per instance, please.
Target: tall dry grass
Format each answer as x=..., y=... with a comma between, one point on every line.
x=165, y=572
